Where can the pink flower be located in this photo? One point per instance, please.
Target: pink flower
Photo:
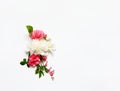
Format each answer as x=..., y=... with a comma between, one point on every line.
x=51, y=73
x=34, y=60
x=37, y=34
x=49, y=69
x=44, y=58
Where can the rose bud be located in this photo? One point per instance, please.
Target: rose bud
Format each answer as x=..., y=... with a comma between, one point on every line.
x=44, y=58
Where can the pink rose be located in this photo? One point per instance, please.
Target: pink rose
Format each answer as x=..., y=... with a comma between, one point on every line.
x=34, y=60
x=37, y=34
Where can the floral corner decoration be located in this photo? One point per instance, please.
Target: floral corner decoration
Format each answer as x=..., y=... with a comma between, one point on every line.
x=39, y=49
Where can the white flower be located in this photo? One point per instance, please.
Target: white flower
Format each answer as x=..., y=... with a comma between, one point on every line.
x=41, y=46
x=48, y=38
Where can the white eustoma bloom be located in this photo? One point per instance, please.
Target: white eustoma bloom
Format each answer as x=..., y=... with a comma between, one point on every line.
x=41, y=46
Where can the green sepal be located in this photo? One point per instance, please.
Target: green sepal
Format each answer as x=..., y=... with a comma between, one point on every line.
x=29, y=28
x=41, y=68
x=27, y=65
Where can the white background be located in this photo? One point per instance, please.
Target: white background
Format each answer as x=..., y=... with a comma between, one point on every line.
x=86, y=34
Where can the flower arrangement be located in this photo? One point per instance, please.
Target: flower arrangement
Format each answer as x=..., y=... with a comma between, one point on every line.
x=39, y=49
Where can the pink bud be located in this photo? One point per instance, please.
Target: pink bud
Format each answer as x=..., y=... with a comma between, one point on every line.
x=51, y=73
x=49, y=69
x=44, y=58
x=46, y=63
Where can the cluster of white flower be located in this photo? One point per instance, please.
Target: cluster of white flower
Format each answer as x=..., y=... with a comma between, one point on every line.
x=42, y=46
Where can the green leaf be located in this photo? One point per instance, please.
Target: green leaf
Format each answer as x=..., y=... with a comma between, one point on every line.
x=37, y=70
x=24, y=60
x=46, y=70
x=28, y=53
x=42, y=68
x=22, y=63
x=29, y=28
x=40, y=74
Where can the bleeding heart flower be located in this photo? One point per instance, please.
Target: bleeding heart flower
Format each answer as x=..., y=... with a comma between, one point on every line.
x=51, y=73
x=49, y=69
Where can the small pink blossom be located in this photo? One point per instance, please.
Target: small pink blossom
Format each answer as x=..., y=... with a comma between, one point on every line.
x=51, y=73
x=49, y=69
x=37, y=34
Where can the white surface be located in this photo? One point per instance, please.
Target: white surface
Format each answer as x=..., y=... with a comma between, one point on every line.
x=87, y=38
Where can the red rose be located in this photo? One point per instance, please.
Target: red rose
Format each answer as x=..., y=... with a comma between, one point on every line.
x=44, y=58
x=34, y=60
